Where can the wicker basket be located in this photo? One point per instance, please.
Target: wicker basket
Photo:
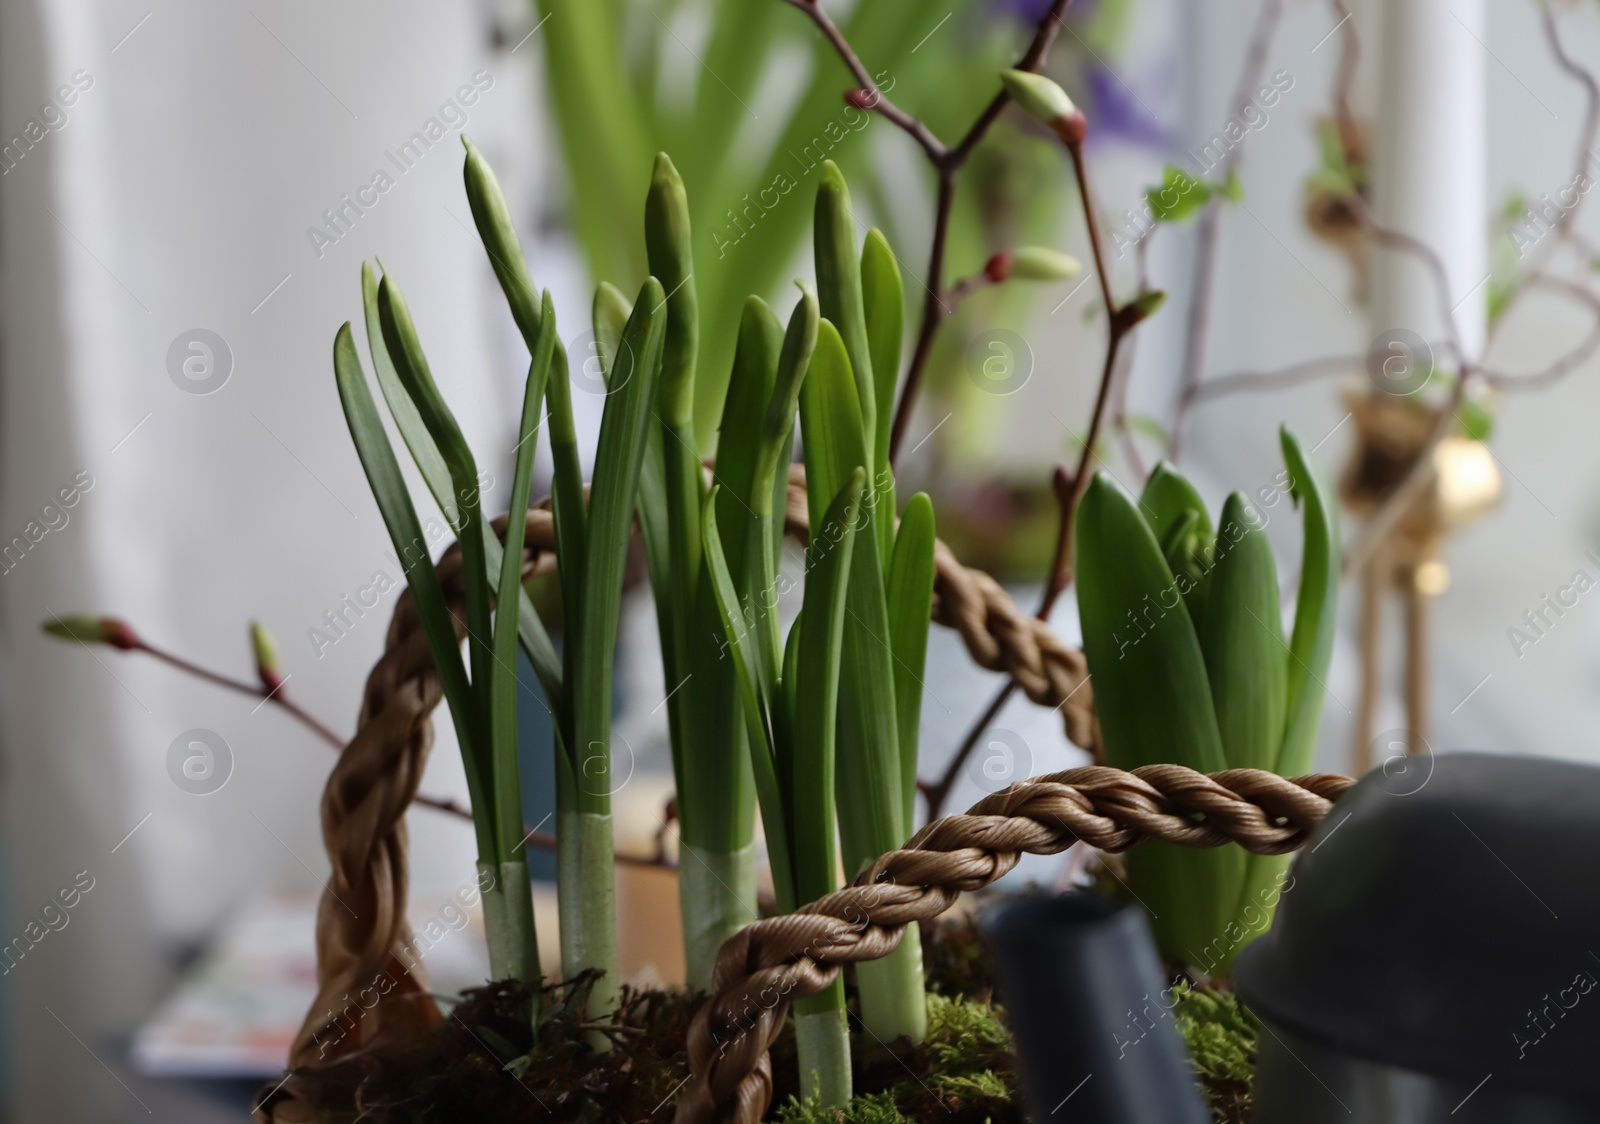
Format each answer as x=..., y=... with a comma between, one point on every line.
x=361, y=926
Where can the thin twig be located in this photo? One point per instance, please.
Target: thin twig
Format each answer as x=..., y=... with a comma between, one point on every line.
x=1564, y=232
x=1294, y=375
x=874, y=98
x=277, y=697
x=1569, y=362
x=542, y=840
x=1069, y=490
x=1202, y=281
x=946, y=165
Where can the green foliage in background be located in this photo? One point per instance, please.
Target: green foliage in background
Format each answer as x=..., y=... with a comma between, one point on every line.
x=1184, y=638
x=747, y=96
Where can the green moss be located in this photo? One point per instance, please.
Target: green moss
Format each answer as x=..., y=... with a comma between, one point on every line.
x=973, y=1086
x=965, y=1036
x=963, y=1073
x=1221, y=1035
x=874, y=1108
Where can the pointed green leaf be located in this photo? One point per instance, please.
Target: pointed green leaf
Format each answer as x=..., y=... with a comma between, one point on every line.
x=740, y=437
x=1139, y=640
x=400, y=337
x=666, y=237
x=493, y=220
x=839, y=290
x=1167, y=495
x=1311, y=646
x=1246, y=658
x=883, y=298
x=763, y=758
x=610, y=314
x=435, y=473
x=618, y=457
x=828, y=575
x=831, y=422
x=570, y=511
x=1188, y=556
x=769, y=483
x=503, y=681
x=1153, y=700
x=405, y=532
x=1182, y=526
x=530, y=629
x=910, y=603
x=870, y=801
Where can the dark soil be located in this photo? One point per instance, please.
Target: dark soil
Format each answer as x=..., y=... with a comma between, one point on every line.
x=488, y=1062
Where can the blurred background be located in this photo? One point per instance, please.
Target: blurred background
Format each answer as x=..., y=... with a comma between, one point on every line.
x=187, y=191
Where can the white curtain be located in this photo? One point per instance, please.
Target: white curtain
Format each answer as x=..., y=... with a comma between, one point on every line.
x=169, y=188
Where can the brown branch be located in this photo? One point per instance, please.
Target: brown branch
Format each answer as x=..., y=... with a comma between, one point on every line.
x=1565, y=229
x=964, y=288
x=946, y=164
x=277, y=696
x=1069, y=490
x=1309, y=371
x=933, y=313
x=872, y=97
x=1569, y=362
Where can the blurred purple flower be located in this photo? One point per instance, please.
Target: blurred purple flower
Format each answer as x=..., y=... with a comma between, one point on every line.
x=1114, y=111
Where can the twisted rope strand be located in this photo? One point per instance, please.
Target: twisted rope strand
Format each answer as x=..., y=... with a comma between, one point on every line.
x=770, y=964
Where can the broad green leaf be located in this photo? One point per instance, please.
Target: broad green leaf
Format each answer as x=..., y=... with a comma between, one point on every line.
x=405, y=532
x=1248, y=663
x=1153, y=700
x=618, y=457
x=503, y=676
x=1316, y=610
x=1188, y=556
x=839, y=290
x=828, y=576
x=1182, y=526
x=910, y=603
x=1167, y=495
x=1246, y=658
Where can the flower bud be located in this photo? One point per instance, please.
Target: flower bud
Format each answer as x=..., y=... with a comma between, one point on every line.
x=87, y=629
x=265, y=649
x=1047, y=102
x=1037, y=263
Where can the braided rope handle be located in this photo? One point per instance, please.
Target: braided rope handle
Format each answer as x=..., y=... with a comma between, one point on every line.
x=768, y=965
x=363, y=942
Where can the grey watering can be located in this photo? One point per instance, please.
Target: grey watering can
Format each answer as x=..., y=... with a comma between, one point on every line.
x=1434, y=960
